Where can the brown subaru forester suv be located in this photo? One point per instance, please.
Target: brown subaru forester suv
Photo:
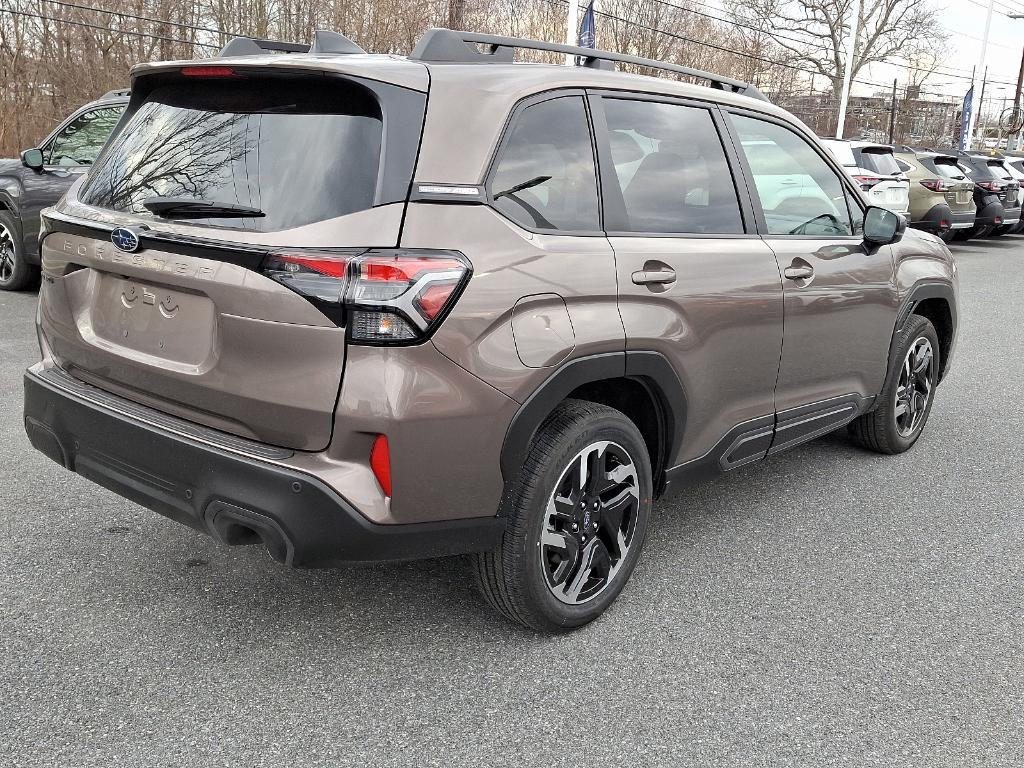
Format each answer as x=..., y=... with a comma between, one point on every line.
x=364, y=307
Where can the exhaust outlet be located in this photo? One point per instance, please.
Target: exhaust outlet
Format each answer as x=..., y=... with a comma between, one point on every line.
x=237, y=526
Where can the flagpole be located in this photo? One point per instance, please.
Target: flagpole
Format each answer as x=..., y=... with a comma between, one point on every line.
x=572, y=24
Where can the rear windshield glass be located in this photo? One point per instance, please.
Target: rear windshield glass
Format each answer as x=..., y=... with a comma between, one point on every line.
x=948, y=169
x=977, y=168
x=879, y=162
x=298, y=152
x=999, y=170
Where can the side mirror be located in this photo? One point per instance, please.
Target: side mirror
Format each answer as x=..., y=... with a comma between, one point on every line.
x=882, y=226
x=32, y=158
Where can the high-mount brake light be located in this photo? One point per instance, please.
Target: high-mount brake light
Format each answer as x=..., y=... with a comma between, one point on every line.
x=382, y=296
x=208, y=72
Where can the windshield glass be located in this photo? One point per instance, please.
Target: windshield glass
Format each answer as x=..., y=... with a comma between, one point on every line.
x=298, y=152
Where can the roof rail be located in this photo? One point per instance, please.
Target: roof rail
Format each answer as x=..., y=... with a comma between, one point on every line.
x=254, y=46
x=449, y=46
x=323, y=42
x=116, y=93
x=333, y=42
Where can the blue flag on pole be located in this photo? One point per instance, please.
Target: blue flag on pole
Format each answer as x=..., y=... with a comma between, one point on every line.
x=588, y=32
x=965, y=117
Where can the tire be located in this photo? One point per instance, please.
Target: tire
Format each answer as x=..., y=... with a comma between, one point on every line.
x=537, y=576
x=15, y=273
x=948, y=236
x=999, y=231
x=963, y=235
x=897, y=422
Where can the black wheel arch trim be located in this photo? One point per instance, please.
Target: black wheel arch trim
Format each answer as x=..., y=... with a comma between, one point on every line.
x=651, y=369
x=923, y=289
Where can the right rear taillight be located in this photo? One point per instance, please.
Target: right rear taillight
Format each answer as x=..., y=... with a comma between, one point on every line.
x=937, y=185
x=383, y=296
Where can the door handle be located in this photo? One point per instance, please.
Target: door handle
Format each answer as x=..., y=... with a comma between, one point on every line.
x=654, y=277
x=798, y=273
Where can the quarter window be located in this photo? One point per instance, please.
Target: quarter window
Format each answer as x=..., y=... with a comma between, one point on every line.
x=545, y=177
x=83, y=138
x=800, y=194
x=671, y=168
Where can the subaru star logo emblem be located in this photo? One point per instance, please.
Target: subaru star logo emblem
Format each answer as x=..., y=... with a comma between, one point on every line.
x=125, y=239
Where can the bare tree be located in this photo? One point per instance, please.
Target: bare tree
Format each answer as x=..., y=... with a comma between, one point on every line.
x=813, y=33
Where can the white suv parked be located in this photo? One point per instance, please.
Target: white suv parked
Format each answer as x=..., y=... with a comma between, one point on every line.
x=875, y=170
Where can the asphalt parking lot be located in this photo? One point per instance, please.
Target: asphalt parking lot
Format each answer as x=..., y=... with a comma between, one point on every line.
x=826, y=607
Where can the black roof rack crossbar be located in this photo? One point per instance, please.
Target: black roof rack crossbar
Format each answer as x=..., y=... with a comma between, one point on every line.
x=449, y=46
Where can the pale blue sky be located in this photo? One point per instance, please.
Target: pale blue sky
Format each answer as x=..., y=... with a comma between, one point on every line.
x=965, y=22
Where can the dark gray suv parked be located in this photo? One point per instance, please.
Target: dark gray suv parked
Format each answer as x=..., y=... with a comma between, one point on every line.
x=299, y=303
x=41, y=176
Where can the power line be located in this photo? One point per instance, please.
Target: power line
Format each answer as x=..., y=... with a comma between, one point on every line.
x=121, y=14
x=736, y=23
x=107, y=29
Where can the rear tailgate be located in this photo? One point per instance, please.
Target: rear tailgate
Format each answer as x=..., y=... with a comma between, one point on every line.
x=189, y=322
x=209, y=341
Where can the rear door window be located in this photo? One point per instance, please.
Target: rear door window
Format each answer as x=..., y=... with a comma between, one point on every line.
x=545, y=177
x=671, y=169
x=298, y=152
x=799, y=192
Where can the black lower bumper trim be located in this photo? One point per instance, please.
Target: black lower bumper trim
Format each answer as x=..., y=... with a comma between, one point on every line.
x=235, y=498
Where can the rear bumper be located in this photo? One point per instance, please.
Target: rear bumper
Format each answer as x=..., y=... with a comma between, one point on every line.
x=223, y=490
x=986, y=216
x=932, y=220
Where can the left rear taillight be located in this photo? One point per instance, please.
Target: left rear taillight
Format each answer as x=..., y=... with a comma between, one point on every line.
x=382, y=296
x=867, y=182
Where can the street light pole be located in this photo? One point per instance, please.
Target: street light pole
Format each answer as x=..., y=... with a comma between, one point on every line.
x=981, y=66
x=851, y=51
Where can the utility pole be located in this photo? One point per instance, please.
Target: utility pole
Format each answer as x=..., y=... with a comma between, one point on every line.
x=892, y=112
x=976, y=113
x=572, y=29
x=851, y=53
x=981, y=65
x=1014, y=142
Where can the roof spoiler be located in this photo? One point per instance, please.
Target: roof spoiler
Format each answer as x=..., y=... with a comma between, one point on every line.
x=116, y=93
x=449, y=46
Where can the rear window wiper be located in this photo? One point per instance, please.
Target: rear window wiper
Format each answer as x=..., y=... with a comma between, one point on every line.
x=536, y=181
x=196, y=208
